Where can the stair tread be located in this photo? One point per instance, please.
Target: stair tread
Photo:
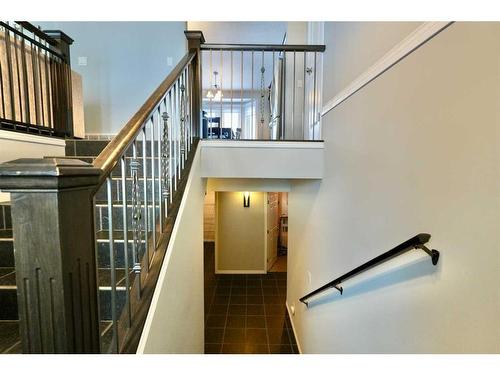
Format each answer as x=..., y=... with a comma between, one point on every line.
x=5, y=234
x=8, y=278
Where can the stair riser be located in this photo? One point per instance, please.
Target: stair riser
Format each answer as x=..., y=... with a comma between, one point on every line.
x=94, y=148
x=6, y=254
x=8, y=304
x=105, y=303
x=103, y=255
x=102, y=217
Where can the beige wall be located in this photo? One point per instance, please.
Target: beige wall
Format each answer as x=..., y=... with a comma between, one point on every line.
x=416, y=150
x=240, y=233
x=352, y=47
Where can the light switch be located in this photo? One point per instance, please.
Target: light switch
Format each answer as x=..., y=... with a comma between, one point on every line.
x=169, y=61
x=299, y=83
x=82, y=60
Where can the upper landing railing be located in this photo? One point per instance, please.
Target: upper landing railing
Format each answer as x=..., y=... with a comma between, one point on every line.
x=35, y=80
x=261, y=91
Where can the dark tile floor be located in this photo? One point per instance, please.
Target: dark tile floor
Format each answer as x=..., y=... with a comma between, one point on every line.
x=246, y=314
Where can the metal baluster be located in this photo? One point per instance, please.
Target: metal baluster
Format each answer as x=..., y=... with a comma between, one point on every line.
x=182, y=125
x=231, y=129
x=8, y=53
x=153, y=190
x=48, y=90
x=112, y=263
x=165, y=146
x=34, y=60
x=1, y=90
x=145, y=194
x=241, y=96
x=314, y=99
x=253, y=119
x=18, y=78
x=283, y=109
x=221, y=75
x=188, y=101
x=136, y=216
x=25, y=79
x=210, y=133
x=174, y=135
x=293, y=98
x=161, y=201
x=304, y=119
x=125, y=237
x=41, y=57
x=178, y=131
x=171, y=170
x=272, y=83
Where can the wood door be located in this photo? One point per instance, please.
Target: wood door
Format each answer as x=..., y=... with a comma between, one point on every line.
x=272, y=229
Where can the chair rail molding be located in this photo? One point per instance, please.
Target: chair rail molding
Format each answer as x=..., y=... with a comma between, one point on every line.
x=421, y=35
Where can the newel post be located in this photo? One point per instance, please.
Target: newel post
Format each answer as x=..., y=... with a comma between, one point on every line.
x=53, y=230
x=195, y=40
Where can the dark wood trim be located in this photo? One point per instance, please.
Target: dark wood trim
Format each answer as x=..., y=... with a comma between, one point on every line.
x=110, y=156
x=265, y=47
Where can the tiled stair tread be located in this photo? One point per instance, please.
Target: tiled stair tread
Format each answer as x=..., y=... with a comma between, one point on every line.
x=103, y=236
x=5, y=234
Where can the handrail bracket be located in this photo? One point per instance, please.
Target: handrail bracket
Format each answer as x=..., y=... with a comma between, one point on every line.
x=434, y=254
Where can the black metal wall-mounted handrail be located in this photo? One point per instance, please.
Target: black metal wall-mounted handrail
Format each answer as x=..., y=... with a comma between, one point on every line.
x=417, y=242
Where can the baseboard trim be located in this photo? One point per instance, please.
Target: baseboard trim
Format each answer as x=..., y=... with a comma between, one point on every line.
x=412, y=42
x=293, y=328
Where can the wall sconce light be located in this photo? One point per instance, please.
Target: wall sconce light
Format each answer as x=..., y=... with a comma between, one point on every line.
x=246, y=199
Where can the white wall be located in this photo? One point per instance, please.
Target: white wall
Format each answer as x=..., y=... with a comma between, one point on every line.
x=175, y=322
x=416, y=150
x=17, y=145
x=260, y=159
x=126, y=61
x=241, y=32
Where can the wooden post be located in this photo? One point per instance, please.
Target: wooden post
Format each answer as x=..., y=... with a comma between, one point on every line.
x=195, y=40
x=56, y=270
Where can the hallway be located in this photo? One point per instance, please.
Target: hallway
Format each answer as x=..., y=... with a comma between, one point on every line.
x=246, y=314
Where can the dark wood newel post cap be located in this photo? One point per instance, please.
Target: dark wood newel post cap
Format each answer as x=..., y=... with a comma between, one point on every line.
x=47, y=173
x=195, y=35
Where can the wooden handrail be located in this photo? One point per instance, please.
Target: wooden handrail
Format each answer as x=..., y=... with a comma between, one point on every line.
x=110, y=156
x=265, y=47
